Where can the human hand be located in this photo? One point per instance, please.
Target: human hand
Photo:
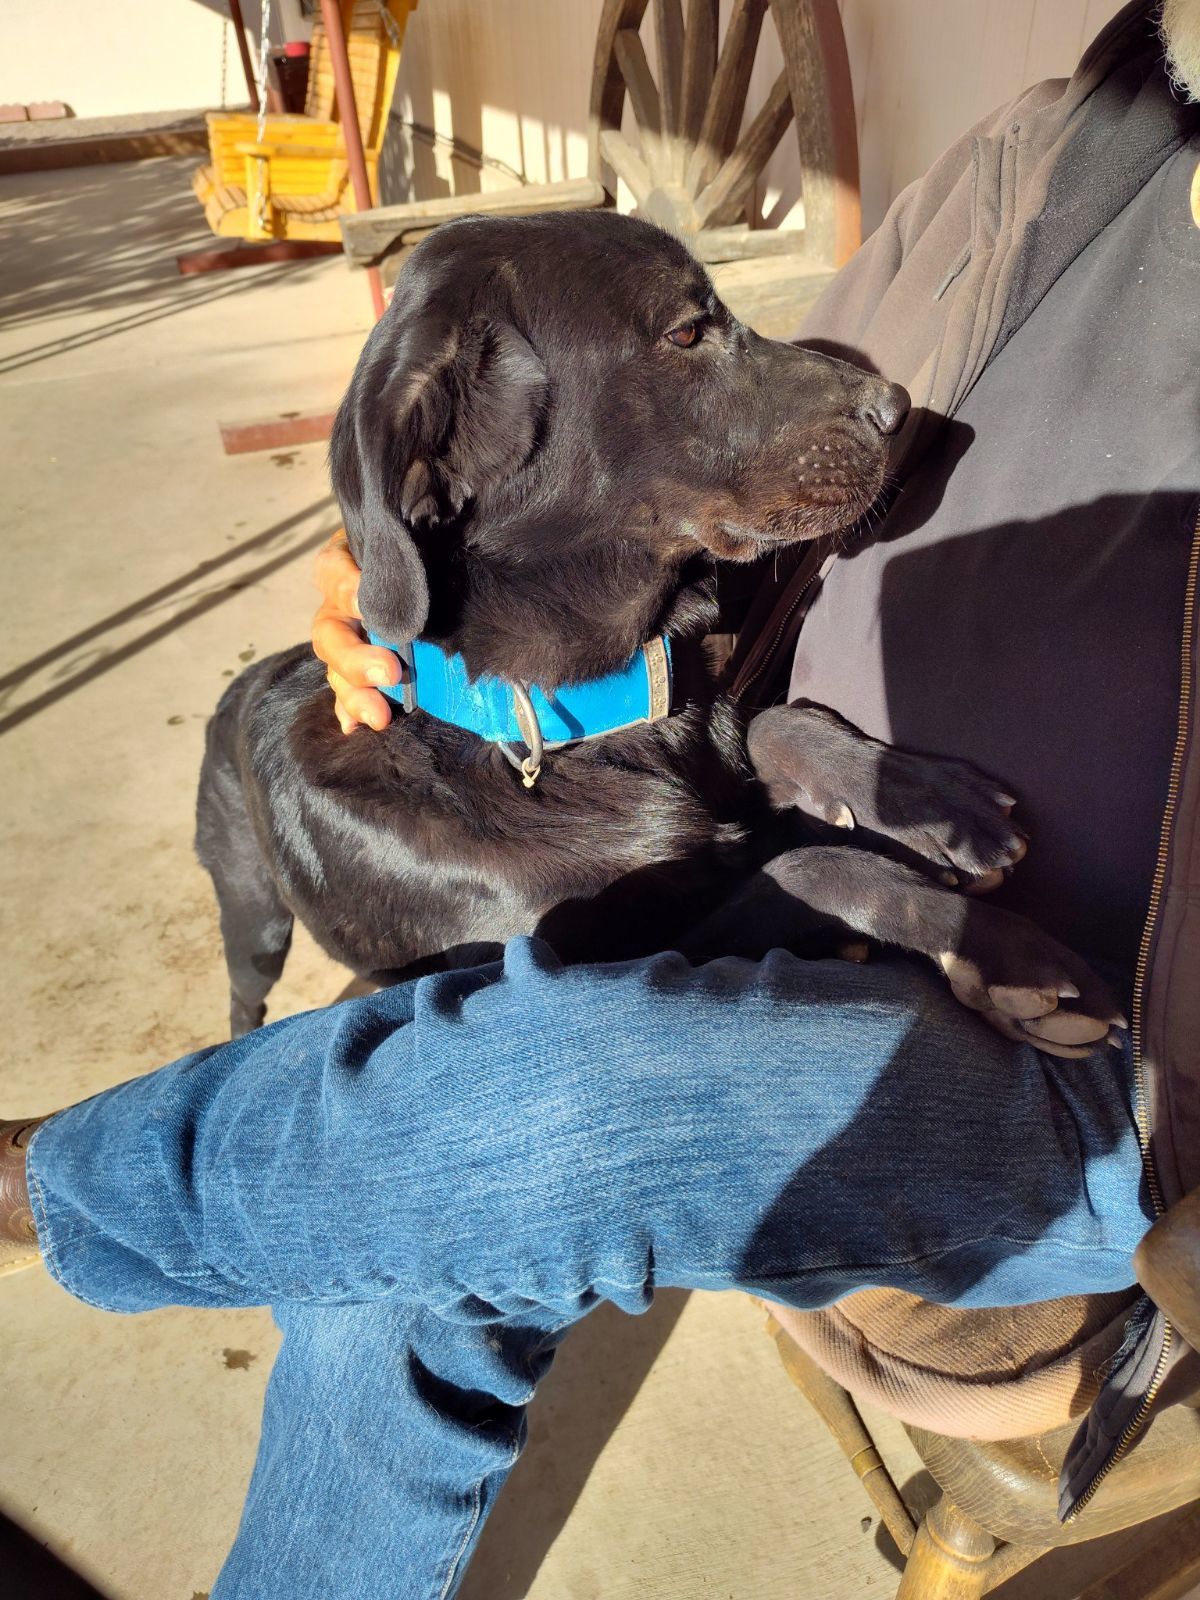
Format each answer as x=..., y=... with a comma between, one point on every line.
x=352, y=666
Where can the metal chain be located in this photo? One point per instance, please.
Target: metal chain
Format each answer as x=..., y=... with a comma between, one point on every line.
x=389, y=23
x=264, y=45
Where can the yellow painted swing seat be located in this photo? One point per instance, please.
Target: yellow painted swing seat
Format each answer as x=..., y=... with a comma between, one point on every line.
x=295, y=184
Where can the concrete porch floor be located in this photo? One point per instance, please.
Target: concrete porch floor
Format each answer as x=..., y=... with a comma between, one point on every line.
x=670, y=1455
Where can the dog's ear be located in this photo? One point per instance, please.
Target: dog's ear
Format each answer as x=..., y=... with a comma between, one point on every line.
x=437, y=413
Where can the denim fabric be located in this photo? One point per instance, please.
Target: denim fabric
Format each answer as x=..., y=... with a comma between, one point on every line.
x=431, y=1184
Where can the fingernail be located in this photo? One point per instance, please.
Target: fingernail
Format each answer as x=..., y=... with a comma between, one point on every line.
x=950, y=879
x=1068, y=991
x=378, y=674
x=1120, y=1021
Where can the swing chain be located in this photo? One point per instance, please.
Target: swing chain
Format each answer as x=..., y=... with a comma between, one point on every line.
x=264, y=46
x=389, y=23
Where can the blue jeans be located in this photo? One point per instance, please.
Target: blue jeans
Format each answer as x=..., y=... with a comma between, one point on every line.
x=432, y=1184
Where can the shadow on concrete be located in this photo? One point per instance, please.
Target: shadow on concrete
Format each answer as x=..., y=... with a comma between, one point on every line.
x=96, y=661
x=32, y=1573
x=595, y=1378
x=103, y=240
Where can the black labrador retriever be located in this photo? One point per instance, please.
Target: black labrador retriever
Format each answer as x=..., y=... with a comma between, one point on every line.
x=550, y=438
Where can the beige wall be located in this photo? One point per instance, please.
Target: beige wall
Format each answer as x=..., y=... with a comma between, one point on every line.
x=112, y=57
x=510, y=78
x=109, y=57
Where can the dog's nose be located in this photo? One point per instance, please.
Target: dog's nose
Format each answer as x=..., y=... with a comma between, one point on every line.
x=886, y=405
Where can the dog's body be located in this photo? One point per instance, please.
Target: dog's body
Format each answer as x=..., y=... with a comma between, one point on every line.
x=624, y=842
x=547, y=441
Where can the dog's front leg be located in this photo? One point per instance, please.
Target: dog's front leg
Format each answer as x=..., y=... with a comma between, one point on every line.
x=1000, y=964
x=940, y=810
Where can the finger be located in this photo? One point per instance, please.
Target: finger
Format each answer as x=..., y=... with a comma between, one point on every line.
x=339, y=644
x=345, y=721
x=363, y=705
x=337, y=576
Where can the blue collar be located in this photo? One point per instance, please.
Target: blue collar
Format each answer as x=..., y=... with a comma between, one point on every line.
x=508, y=714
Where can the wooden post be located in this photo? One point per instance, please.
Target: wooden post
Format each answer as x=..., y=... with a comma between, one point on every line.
x=949, y=1559
x=239, y=28
x=351, y=133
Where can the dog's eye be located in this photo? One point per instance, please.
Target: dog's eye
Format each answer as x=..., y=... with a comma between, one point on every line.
x=684, y=335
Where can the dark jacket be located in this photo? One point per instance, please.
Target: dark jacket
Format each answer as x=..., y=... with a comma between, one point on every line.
x=960, y=261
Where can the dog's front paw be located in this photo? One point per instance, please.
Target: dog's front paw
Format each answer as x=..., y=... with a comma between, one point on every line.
x=1030, y=987
x=948, y=814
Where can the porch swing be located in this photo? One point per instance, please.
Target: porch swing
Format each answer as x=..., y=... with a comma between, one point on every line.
x=274, y=176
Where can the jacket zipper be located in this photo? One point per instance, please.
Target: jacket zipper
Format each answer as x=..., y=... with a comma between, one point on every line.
x=1142, y=1109
x=769, y=655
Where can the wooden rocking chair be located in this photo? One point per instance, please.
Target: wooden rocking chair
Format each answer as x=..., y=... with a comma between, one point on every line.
x=295, y=184
x=997, y=1513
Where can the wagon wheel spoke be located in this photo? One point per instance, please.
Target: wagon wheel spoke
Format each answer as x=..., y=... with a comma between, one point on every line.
x=699, y=65
x=726, y=196
x=727, y=101
x=627, y=164
x=668, y=38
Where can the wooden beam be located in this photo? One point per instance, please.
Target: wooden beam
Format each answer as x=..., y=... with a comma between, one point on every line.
x=224, y=258
x=367, y=236
x=276, y=433
x=740, y=243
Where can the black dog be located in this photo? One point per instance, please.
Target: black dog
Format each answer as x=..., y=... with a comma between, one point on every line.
x=549, y=437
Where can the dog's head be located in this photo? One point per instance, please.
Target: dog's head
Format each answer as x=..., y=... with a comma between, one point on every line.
x=556, y=418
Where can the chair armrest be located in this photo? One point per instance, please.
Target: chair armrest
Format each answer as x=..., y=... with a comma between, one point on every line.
x=1167, y=1263
x=268, y=148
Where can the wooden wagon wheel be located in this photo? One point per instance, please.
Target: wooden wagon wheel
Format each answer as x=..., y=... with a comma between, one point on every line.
x=690, y=170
